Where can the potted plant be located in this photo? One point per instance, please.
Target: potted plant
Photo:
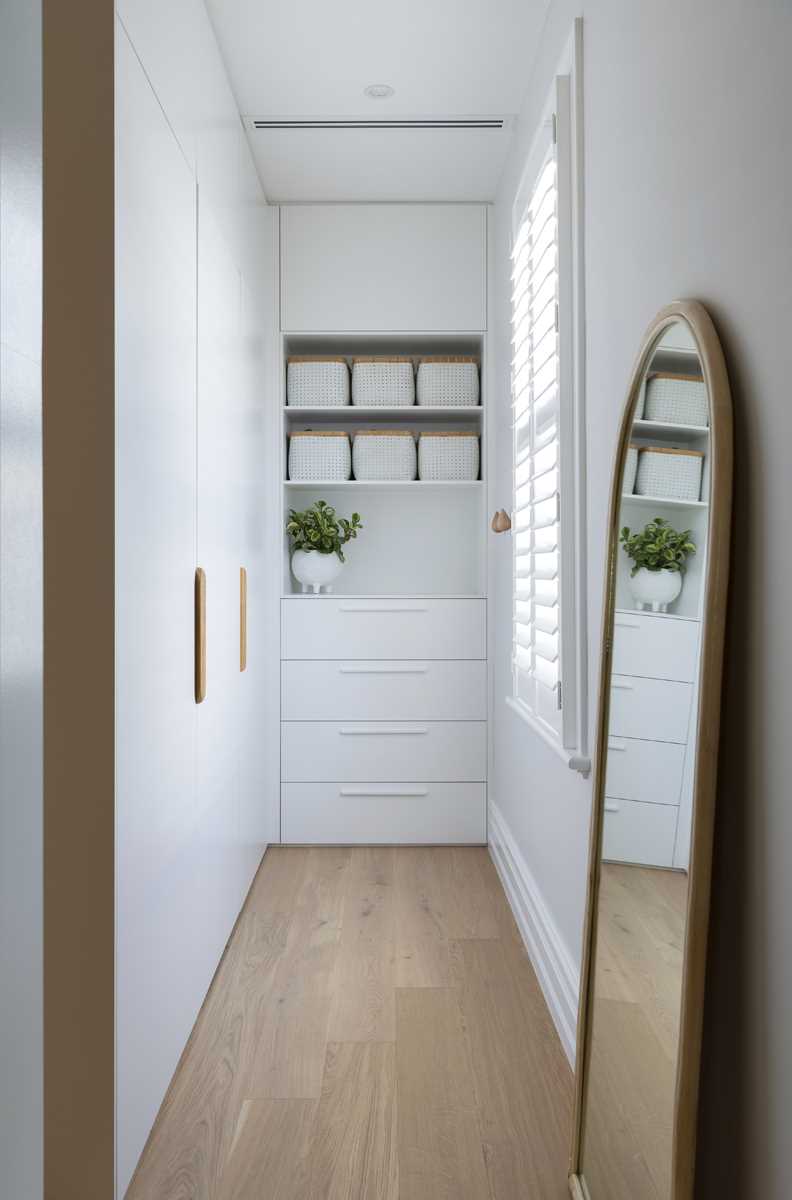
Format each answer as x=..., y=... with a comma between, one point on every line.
x=317, y=536
x=659, y=554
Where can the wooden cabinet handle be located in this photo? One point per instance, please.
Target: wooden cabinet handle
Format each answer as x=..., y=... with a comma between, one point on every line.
x=242, y=618
x=501, y=521
x=200, y=635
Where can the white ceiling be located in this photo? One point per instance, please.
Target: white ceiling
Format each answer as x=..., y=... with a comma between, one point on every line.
x=313, y=58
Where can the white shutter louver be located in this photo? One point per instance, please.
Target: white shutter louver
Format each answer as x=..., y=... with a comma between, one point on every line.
x=536, y=415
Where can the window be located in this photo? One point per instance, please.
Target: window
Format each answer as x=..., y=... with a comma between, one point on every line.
x=548, y=637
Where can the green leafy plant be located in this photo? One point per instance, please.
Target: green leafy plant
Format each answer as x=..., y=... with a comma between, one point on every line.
x=318, y=528
x=658, y=547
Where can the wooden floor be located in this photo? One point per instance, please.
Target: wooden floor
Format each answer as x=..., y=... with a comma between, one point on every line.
x=375, y=1032
x=628, y=1143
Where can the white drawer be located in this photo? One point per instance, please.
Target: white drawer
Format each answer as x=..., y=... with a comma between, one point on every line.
x=639, y=833
x=434, y=750
x=321, y=627
x=657, y=646
x=647, y=771
x=418, y=813
x=655, y=709
x=383, y=691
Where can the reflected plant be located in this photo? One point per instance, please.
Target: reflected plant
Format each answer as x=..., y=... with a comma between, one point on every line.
x=658, y=547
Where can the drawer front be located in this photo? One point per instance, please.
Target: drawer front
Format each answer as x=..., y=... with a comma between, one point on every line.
x=420, y=813
x=647, y=771
x=639, y=833
x=398, y=628
x=659, y=647
x=440, y=751
x=383, y=691
x=655, y=709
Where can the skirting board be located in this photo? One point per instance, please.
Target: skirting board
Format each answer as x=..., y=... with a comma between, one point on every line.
x=555, y=970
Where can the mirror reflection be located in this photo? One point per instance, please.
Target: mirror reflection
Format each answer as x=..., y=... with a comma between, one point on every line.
x=651, y=749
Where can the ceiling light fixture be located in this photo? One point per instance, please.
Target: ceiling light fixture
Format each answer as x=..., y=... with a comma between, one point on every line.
x=378, y=91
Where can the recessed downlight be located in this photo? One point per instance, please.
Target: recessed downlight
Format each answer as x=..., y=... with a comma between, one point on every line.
x=378, y=91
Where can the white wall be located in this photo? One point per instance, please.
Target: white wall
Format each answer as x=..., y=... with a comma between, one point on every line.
x=688, y=180
x=197, y=787
x=20, y=603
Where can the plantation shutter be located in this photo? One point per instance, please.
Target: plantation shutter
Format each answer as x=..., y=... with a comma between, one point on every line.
x=536, y=643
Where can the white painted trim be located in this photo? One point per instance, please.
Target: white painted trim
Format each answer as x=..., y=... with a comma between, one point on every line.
x=557, y=974
x=575, y=761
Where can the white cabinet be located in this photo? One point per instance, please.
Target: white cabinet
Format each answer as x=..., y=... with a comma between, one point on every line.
x=383, y=690
x=657, y=709
x=372, y=813
x=447, y=751
x=383, y=267
x=387, y=748
x=639, y=833
x=655, y=664
x=398, y=627
x=639, y=769
x=661, y=649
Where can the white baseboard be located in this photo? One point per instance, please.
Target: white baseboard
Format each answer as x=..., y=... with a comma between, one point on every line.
x=555, y=970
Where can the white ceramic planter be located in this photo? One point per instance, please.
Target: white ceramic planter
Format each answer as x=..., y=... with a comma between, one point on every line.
x=314, y=570
x=655, y=589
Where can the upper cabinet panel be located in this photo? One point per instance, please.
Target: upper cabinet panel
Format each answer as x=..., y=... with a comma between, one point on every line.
x=383, y=267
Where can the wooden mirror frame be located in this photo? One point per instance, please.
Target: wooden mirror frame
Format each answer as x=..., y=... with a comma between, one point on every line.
x=715, y=581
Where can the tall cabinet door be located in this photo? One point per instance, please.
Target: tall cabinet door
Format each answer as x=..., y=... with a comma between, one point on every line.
x=157, y=970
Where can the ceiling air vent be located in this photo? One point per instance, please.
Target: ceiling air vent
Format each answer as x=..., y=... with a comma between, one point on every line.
x=384, y=124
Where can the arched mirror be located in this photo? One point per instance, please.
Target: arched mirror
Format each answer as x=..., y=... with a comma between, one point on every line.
x=639, y=1032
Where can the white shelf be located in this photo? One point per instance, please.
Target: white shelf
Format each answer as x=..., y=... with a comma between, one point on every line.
x=669, y=432
x=353, y=411
x=655, y=616
x=376, y=484
x=338, y=594
x=662, y=501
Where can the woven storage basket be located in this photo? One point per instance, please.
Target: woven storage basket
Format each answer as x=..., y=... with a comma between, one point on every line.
x=669, y=474
x=315, y=382
x=448, y=456
x=384, y=454
x=630, y=468
x=319, y=455
x=448, y=382
x=676, y=399
x=383, y=382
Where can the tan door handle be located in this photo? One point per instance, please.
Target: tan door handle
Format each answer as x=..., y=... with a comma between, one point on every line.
x=501, y=521
x=200, y=635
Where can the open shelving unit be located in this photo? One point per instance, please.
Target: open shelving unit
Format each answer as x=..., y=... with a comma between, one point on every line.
x=419, y=537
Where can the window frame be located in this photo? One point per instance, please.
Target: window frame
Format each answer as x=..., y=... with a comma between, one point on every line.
x=561, y=126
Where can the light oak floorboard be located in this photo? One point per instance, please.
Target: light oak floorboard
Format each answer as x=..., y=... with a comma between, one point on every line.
x=375, y=1031
x=441, y=1154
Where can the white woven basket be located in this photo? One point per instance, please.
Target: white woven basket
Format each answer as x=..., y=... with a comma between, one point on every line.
x=317, y=382
x=448, y=456
x=670, y=474
x=448, y=382
x=384, y=454
x=676, y=399
x=383, y=382
x=322, y=455
x=630, y=468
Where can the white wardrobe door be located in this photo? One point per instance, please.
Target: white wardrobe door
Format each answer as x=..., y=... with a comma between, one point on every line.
x=160, y=972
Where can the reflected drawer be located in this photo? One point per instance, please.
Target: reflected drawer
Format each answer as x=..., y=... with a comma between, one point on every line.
x=639, y=833
x=655, y=709
x=383, y=691
x=642, y=770
x=657, y=646
x=435, y=750
x=367, y=813
x=324, y=627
